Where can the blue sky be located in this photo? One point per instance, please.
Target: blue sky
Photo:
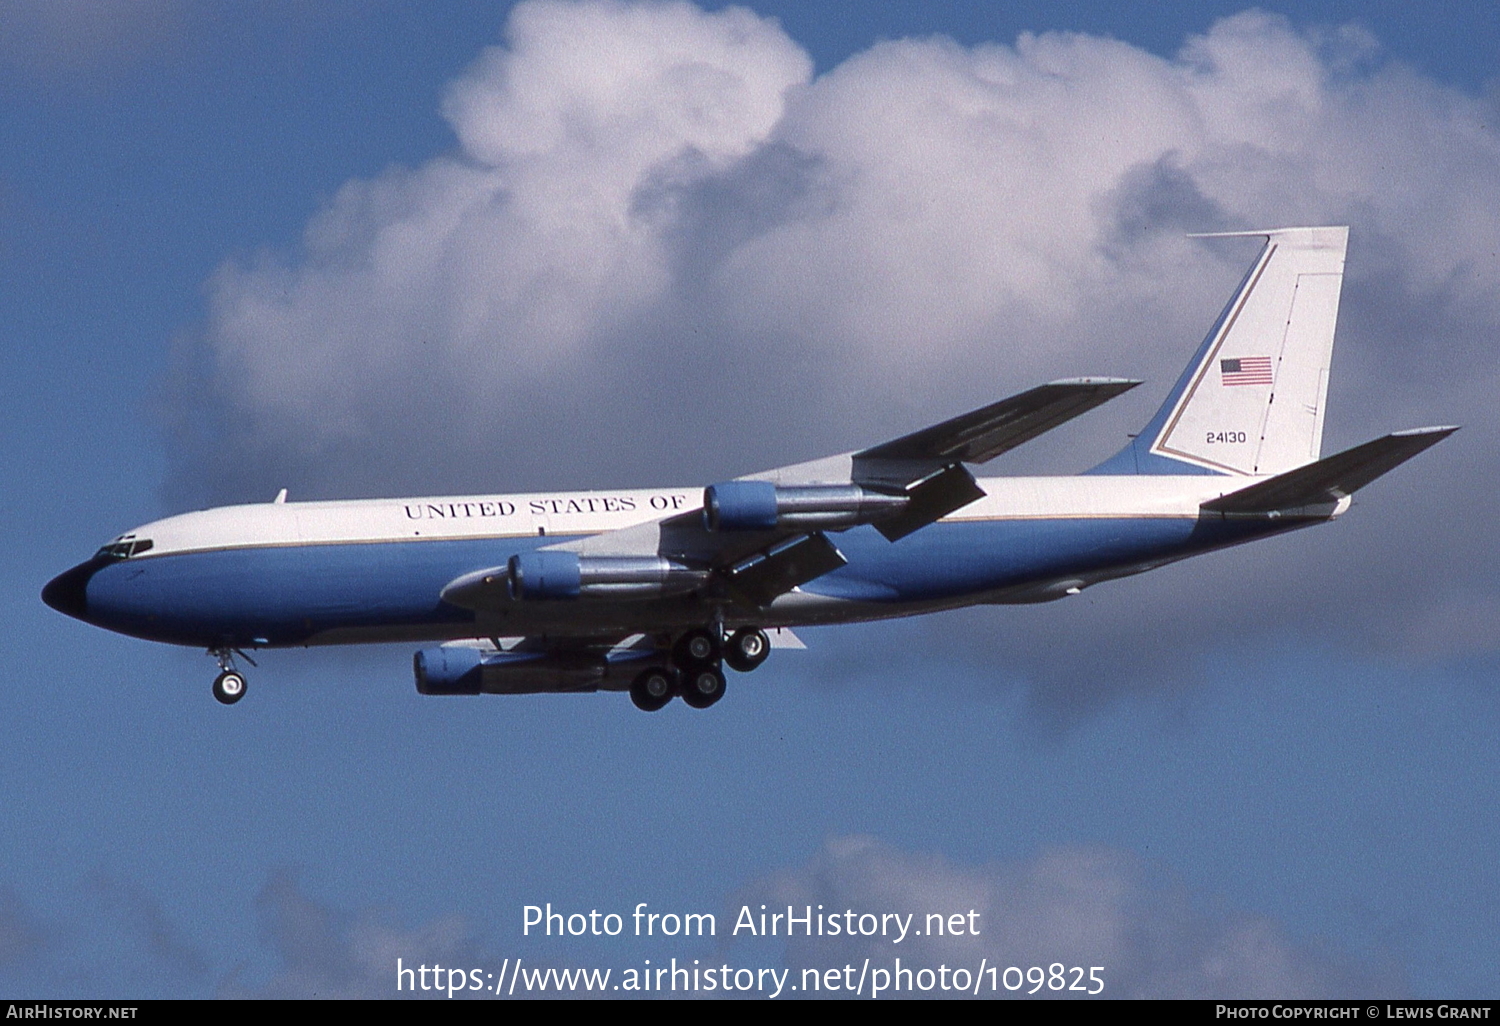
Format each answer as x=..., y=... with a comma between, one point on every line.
x=1261, y=771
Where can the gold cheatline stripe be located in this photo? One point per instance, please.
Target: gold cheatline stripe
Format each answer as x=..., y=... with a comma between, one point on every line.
x=309, y=543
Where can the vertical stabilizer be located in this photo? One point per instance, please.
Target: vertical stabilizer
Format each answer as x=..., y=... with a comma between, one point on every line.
x=1252, y=401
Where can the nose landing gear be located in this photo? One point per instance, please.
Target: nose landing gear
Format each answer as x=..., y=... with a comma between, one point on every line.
x=229, y=685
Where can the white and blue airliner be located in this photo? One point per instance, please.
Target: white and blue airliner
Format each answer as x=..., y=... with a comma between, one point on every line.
x=654, y=591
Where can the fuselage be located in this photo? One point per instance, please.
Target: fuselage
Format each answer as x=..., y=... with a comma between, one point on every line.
x=291, y=574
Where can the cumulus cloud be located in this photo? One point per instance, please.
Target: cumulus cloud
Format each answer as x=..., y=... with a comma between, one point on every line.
x=665, y=252
x=326, y=952
x=484, y=298
x=1086, y=907
x=1079, y=906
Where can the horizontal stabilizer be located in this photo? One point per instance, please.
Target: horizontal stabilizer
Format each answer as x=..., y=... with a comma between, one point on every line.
x=985, y=433
x=1328, y=481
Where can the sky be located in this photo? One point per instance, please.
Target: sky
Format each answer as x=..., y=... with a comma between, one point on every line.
x=361, y=249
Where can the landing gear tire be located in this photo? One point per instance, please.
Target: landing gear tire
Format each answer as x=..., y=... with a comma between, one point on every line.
x=652, y=689
x=695, y=649
x=229, y=687
x=747, y=648
x=702, y=688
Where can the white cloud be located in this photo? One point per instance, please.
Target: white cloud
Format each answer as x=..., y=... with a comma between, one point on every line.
x=325, y=952
x=1085, y=907
x=473, y=283
x=1079, y=906
x=665, y=252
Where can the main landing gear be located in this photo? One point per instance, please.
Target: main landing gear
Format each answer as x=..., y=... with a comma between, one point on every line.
x=653, y=688
x=229, y=685
x=747, y=649
x=695, y=670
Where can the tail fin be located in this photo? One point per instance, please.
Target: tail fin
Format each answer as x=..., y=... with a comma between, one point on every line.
x=1252, y=400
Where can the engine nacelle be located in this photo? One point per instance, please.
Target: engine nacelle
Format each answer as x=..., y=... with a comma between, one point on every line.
x=448, y=671
x=457, y=670
x=763, y=506
x=545, y=575
x=567, y=575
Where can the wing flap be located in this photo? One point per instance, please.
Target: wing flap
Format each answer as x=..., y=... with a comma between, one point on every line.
x=931, y=499
x=784, y=567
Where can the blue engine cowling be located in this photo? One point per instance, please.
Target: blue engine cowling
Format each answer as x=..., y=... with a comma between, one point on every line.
x=548, y=574
x=448, y=671
x=461, y=670
x=763, y=506
x=740, y=506
x=545, y=575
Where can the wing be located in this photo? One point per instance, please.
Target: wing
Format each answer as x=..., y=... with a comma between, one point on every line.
x=928, y=463
x=980, y=435
x=926, y=467
x=761, y=536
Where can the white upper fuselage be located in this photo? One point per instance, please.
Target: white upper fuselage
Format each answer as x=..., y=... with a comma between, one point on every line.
x=281, y=573
x=574, y=514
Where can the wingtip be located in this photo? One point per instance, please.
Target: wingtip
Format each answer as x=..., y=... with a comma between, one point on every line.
x=1121, y=383
x=1441, y=429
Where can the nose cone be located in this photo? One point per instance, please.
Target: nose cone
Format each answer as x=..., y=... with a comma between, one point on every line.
x=68, y=591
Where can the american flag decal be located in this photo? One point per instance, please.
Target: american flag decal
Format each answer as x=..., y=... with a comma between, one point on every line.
x=1247, y=370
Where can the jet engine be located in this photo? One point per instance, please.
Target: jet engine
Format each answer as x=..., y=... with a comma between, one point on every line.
x=763, y=506
x=567, y=575
x=458, y=670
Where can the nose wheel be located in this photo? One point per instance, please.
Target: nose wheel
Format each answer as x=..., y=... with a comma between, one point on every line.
x=229, y=685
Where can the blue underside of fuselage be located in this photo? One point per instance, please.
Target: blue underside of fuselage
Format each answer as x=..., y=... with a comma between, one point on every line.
x=289, y=595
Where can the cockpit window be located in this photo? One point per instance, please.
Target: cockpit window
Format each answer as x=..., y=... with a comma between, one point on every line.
x=125, y=547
